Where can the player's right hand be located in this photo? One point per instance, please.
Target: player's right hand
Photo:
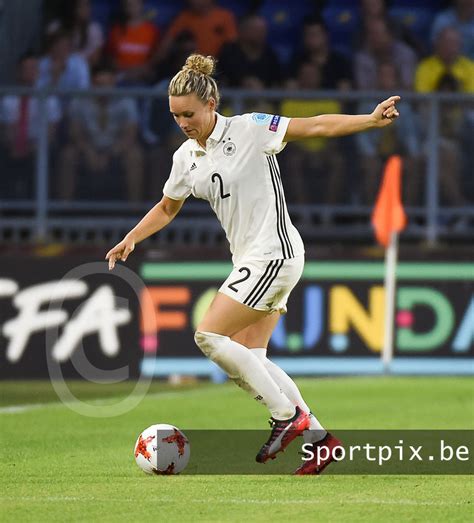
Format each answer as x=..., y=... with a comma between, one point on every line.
x=120, y=252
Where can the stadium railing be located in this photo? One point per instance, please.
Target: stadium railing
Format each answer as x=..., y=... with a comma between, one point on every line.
x=432, y=216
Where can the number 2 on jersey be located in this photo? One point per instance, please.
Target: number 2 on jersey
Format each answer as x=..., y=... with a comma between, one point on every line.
x=246, y=277
x=221, y=184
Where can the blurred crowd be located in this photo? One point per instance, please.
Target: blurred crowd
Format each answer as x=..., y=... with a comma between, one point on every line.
x=121, y=147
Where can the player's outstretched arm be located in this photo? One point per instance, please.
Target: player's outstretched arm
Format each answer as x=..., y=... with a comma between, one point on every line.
x=156, y=219
x=332, y=125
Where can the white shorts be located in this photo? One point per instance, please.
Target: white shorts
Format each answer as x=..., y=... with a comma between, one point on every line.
x=264, y=285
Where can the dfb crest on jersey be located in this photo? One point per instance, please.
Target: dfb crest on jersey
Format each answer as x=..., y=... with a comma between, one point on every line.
x=229, y=148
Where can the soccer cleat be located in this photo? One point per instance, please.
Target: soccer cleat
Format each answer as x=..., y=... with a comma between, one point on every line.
x=328, y=452
x=283, y=433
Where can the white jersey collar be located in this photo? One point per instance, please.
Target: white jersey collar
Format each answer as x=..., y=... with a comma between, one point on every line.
x=216, y=134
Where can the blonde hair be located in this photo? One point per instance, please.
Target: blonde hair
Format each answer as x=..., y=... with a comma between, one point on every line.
x=195, y=77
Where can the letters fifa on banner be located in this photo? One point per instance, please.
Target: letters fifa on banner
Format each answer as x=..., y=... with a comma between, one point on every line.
x=97, y=313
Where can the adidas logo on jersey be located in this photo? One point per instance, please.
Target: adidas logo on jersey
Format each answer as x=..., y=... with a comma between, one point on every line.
x=193, y=166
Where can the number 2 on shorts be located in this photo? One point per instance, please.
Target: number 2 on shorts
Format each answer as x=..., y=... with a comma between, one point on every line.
x=246, y=277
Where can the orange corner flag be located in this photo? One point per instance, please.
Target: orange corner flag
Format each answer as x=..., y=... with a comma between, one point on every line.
x=388, y=215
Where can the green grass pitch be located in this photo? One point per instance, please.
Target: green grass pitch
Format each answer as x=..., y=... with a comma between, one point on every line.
x=57, y=465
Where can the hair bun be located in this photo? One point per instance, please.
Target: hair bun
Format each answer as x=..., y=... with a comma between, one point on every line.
x=200, y=64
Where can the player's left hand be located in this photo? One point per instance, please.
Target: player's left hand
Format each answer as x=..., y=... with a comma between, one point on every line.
x=386, y=112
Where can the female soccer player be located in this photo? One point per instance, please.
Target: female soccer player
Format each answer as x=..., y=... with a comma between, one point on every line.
x=231, y=163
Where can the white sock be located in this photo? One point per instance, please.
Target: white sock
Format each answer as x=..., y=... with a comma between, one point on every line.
x=316, y=431
x=247, y=371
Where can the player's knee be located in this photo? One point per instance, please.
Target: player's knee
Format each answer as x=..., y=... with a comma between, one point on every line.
x=208, y=342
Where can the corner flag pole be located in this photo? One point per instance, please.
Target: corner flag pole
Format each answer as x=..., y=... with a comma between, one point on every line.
x=390, y=282
x=388, y=219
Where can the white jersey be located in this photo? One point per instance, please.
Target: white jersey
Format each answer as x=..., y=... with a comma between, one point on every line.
x=238, y=175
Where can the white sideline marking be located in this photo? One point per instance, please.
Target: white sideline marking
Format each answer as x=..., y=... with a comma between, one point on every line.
x=27, y=407
x=240, y=501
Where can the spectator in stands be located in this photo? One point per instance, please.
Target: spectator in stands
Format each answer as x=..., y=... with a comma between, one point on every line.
x=132, y=44
x=447, y=70
x=182, y=46
x=335, y=68
x=19, y=132
x=61, y=67
x=447, y=59
x=461, y=17
x=451, y=126
x=402, y=138
x=87, y=35
x=212, y=27
x=257, y=103
x=103, y=141
x=316, y=165
x=250, y=55
x=380, y=46
x=377, y=9
x=467, y=145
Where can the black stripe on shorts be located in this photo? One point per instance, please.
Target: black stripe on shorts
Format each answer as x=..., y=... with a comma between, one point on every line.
x=268, y=281
x=260, y=282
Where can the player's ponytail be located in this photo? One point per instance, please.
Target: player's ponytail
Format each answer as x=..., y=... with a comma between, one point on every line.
x=195, y=77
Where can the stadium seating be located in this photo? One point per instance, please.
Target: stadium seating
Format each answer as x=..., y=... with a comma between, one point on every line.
x=340, y=3
x=102, y=11
x=417, y=19
x=284, y=22
x=159, y=11
x=341, y=22
x=238, y=7
x=162, y=12
x=433, y=5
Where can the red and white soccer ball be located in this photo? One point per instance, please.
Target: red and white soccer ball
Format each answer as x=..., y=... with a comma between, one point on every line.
x=162, y=449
